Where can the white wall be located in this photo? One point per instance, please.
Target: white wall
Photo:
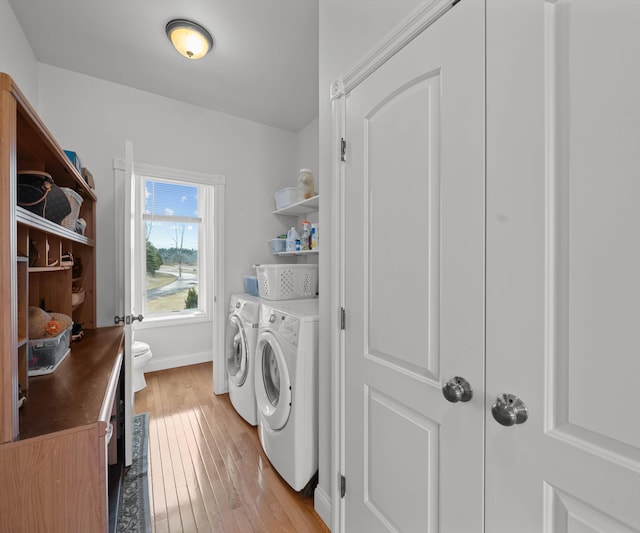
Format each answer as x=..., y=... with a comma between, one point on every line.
x=348, y=31
x=307, y=150
x=95, y=117
x=16, y=56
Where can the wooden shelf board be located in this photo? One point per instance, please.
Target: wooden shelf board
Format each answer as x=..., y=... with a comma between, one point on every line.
x=32, y=220
x=54, y=268
x=72, y=396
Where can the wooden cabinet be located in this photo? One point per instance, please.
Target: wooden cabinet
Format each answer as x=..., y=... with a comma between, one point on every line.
x=56, y=477
x=53, y=449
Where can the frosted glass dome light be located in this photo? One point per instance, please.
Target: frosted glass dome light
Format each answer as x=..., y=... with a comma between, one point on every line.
x=190, y=39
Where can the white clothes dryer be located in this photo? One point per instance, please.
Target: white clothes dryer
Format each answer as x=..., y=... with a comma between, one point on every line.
x=240, y=346
x=286, y=384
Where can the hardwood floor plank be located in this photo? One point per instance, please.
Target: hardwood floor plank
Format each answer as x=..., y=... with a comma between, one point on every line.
x=186, y=510
x=207, y=469
x=161, y=463
x=171, y=467
x=174, y=427
x=207, y=477
x=205, y=507
x=161, y=527
x=244, y=526
x=157, y=488
x=219, y=451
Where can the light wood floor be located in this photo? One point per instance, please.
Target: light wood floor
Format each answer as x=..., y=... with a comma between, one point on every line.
x=207, y=469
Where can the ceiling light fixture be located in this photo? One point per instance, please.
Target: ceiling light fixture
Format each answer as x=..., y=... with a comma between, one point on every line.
x=189, y=38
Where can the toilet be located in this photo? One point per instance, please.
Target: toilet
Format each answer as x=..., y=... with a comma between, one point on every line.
x=141, y=356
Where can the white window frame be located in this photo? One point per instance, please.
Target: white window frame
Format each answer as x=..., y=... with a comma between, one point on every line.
x=209, y=242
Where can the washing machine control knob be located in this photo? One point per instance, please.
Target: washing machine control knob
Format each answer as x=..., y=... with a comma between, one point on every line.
x=272, y=318
x=457, y=390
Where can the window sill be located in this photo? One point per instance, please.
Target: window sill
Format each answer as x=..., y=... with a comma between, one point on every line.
x=161, y=321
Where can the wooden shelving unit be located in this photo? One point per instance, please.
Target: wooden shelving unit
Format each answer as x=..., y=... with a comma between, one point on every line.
x=53, y=429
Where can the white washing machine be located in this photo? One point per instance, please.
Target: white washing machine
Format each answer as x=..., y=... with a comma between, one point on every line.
x=286, y=384
x=240, y=348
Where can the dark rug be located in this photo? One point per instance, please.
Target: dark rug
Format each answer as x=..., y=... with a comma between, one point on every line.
x=134, y=512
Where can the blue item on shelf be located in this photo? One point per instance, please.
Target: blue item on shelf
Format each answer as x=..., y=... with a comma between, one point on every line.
x=251, y=285
x=73, y=157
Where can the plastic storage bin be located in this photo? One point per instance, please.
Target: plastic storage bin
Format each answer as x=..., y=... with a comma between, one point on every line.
x=251, y=285
x=287, y=282
x=45, y=355
x=285, y=197
x=278, y=245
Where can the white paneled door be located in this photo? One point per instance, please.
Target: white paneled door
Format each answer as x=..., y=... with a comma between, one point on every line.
x=493, y=240
x=414, y=281
x=563, y=265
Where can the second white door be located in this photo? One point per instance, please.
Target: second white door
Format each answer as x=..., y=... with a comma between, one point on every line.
x=414, y=287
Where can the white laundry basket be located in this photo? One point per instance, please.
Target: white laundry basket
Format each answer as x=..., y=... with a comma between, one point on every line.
x=287, y=282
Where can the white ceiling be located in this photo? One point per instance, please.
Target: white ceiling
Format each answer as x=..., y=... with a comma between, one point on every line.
x=263, y=66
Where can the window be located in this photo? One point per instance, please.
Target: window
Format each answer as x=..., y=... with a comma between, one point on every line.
x=174, y=220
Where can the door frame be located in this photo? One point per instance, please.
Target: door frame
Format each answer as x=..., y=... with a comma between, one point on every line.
x=418, y=21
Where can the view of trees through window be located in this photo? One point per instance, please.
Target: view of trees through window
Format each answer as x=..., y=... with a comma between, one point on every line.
x=172, y=223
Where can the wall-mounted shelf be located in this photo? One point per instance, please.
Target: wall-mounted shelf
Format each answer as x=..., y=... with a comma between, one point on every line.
x=299, y=252
x=300, y=208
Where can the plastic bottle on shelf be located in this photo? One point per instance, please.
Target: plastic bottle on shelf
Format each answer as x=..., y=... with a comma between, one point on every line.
x=315, y=236
x=305, y=238
x=292, y=237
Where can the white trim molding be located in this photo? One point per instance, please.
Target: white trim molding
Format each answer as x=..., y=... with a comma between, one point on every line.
x=404, y=33
x=178, y=360
x=220, y=384
x=337, y=298
x=322, y=505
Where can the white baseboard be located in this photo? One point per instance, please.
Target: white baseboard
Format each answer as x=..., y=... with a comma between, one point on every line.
x=177, y=360
x=322, y=505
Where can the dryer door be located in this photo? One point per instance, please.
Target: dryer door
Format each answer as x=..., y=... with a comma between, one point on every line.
x=273, y=383
x=236, y=351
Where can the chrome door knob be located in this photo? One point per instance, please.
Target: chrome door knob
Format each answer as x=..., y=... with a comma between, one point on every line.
x=509, y=410
x=457, y=390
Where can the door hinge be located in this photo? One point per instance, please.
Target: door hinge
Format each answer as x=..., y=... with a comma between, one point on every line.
x=343, y=149
x=343, y=486
x=342, y=318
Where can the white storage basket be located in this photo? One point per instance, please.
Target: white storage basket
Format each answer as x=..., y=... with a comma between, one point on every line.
x=75, y=201
x=285, y=197
x=287, y=282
